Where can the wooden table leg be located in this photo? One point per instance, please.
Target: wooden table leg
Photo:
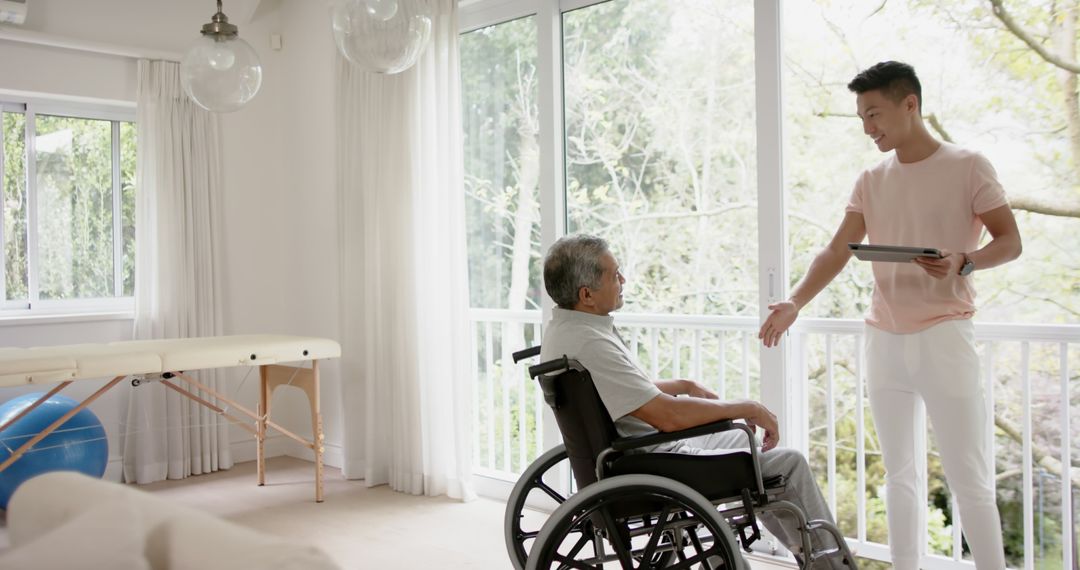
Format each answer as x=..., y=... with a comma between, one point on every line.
x=263, y=413
x=317, y=430
x=306, y=379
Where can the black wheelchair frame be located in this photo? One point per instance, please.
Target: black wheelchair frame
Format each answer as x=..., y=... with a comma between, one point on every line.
x=673, y=505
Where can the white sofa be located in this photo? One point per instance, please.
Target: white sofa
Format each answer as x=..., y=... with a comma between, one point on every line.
x=71, y=521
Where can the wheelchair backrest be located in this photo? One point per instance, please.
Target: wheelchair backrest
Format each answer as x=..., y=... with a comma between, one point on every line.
x=583, y=420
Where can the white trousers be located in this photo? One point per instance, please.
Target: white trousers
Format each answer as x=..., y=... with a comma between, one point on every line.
x=934, y=372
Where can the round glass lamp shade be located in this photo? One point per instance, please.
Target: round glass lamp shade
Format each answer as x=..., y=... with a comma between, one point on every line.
x=221, y=74
x=383, y=36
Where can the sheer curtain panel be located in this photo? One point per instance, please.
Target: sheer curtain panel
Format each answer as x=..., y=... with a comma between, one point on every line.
x=178, y=239
x=405, y=335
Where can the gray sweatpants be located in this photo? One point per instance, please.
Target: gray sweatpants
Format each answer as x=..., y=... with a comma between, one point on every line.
x=801, y=489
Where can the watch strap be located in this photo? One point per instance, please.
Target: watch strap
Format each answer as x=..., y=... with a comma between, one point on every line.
x=968, y=266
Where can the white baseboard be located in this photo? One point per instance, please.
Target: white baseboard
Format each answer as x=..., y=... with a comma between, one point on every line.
x=278, y=445
x=244, y=450
x=762, y=561
x=333, y=454
x=114, y=469
x=492, y=487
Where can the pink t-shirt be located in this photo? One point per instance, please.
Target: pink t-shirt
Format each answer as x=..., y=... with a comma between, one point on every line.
x=935, y=202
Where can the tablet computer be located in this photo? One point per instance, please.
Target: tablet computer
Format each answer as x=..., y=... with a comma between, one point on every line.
x=897, y=253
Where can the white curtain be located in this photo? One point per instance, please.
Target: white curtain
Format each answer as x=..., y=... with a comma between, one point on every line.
x=407, y=397
x=177, y=243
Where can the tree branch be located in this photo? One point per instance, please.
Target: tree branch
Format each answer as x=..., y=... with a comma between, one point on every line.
x=936, y=125
x=1038, y=456
x=1054, y=302
x=1036, y=206
x=1025, y=203
x=1018, y=31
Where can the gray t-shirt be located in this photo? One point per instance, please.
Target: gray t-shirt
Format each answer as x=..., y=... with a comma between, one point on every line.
x=591, y=340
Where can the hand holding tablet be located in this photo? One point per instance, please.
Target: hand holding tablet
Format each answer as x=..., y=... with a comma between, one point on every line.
x=894, y=253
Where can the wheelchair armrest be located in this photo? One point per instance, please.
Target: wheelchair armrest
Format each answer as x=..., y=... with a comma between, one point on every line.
x=626, y=443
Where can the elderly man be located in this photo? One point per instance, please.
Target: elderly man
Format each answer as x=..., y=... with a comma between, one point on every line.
x=582, y=277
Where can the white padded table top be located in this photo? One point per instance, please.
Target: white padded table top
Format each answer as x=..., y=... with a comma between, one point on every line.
x=19, y=366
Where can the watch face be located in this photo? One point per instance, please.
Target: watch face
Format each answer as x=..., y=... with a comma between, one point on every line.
x=967, y=268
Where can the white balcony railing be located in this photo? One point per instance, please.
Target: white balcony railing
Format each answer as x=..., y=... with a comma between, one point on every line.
x=1031, y=374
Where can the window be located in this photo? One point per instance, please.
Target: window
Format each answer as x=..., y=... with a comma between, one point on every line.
x=501, y=164
x=664, y=127
x=498, y=75
x=660, y=148
x=68, y=231
x=983, y=88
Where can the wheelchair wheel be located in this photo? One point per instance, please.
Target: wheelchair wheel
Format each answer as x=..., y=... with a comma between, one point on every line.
x=519, y=534
x=636, y=522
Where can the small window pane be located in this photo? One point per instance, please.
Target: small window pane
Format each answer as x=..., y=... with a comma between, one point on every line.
x=661, y=148
x=74, y=200
x=14, y=196
x=499, y=93
x=127, y=204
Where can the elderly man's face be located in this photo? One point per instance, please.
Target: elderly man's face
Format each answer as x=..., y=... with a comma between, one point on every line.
x=608, y=297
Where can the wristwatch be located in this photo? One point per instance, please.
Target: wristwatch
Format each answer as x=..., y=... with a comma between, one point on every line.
x=967, y=267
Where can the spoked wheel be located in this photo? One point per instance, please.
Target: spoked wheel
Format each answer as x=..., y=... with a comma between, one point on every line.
x=641, y=521
x=531, y=486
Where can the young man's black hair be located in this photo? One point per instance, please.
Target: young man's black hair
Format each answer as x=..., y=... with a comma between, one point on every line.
x=894, y=79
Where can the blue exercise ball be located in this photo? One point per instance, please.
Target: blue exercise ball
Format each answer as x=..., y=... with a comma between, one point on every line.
x=80, y=444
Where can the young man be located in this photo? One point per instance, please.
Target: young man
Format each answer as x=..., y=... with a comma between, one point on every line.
x=920, y=345
x=582, y=277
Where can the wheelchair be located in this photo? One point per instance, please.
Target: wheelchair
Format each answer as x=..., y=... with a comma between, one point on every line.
x=636, y=509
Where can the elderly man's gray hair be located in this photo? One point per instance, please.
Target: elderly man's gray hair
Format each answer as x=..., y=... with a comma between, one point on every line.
x=573, y=262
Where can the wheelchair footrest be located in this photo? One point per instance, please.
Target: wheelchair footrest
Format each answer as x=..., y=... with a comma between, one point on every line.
x=774, y=482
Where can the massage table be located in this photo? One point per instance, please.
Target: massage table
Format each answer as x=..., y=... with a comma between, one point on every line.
x=170, y=361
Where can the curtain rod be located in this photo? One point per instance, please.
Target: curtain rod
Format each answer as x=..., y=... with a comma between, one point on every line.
x=52, y=40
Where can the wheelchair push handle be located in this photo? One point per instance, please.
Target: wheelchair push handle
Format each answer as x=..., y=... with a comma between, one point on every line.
x=526, y=353
x=557, y=365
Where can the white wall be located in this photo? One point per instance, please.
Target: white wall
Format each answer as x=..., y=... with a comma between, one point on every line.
x=312, y=252
x=280, y=250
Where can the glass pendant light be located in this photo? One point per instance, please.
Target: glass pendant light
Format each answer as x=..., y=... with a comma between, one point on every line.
x=221, y=72
x=383, y=36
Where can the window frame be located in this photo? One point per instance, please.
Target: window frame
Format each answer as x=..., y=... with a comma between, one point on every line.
x=114, y=112
x=778, y=392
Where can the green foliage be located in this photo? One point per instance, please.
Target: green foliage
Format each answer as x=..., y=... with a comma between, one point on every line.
x=128, y=146
x=74, y=198
x=74, y=201
x=660, y=151
x=498, y=75
x=14, y=204
x=988, y=90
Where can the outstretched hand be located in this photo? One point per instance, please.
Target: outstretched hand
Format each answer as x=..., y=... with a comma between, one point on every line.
x=779, y=321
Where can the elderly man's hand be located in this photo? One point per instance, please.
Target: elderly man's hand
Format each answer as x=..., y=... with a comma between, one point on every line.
x=759, y=416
